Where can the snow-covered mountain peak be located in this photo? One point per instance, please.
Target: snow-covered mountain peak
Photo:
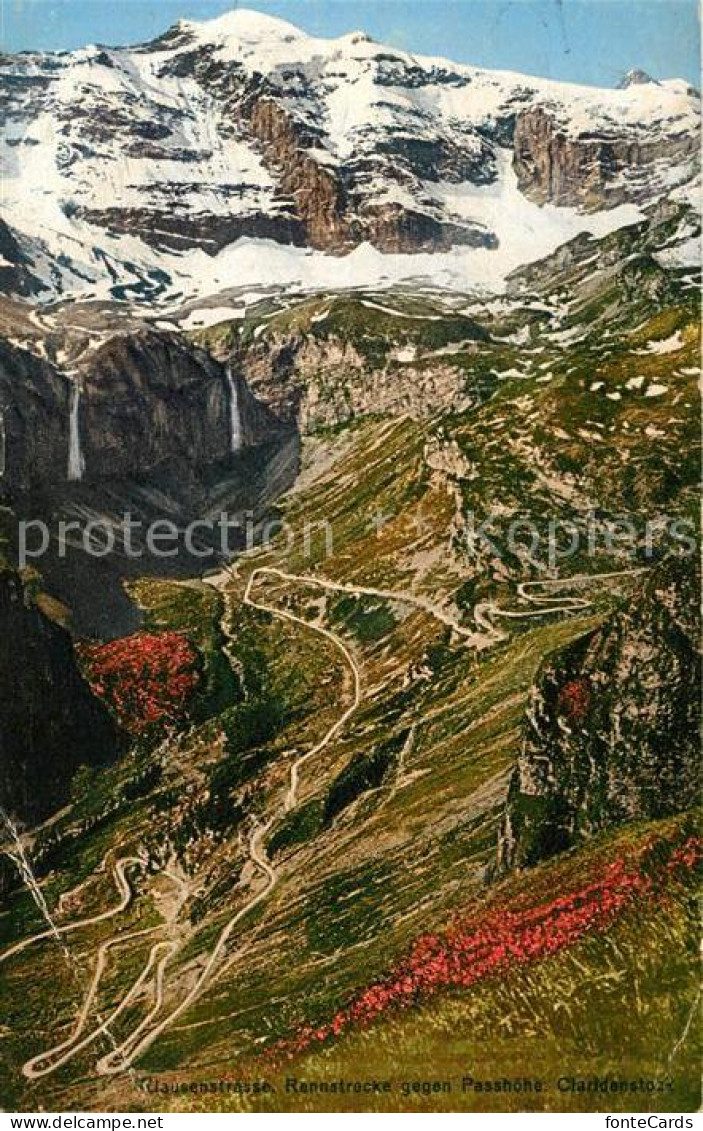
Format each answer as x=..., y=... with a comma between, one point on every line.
x=635, y=77
x=267, y=44
x=243, y=24
x=246, y=128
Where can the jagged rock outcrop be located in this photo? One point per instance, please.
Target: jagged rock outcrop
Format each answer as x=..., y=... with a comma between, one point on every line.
x=245, y=127
x=50, y=722
x=317, y=192
x=595, y=168
x=356, y=359
x=613, y=727
x=148, y=400
x=319, y=384
x=15, y=275
x=636, y=77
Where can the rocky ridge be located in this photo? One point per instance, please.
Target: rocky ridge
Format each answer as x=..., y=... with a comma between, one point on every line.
x=51, y=723
x=118, y=159
x=346, y=357
x=613, y=726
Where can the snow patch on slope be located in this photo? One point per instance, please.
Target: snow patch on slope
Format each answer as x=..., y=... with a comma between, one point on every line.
x=526, y=231
x=127, y=267
x=190, y=165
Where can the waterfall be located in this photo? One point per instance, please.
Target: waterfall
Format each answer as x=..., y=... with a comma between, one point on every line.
x=235, y=420
x=76, y=463
x=21, y=862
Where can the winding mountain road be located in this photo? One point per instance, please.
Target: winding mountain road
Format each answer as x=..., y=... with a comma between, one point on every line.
x=125, y=890
x=485, y=611
x=60, y=1054
x=122, y=1056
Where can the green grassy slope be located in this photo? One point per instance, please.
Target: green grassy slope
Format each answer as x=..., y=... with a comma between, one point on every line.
x=395, y=824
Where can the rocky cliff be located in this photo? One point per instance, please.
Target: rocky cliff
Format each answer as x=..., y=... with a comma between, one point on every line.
x=140, y=399
x=592, y=168
x=150, y=398
x=341, y=357
x=246, y=127
x=133, y=424
x=50, y=723
x=320, y=384
x=34, y=409
x=15, y=276
x=613, y=726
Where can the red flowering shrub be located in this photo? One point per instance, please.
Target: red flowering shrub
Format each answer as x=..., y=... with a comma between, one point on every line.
x=574, y=699
x=145, y=678
x=498, y=941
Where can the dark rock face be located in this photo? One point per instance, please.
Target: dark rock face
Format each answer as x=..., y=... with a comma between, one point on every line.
x=176, y=233
x=15, y=275
x=155, y=433
x=276, y=371
x=397, y=230
x=50, y=722
x=613, y=730
x=591, y=171
x=148, y=399
x=34, y=402
x=145, y=400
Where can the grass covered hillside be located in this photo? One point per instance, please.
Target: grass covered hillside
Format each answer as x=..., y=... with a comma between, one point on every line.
x=293, y=873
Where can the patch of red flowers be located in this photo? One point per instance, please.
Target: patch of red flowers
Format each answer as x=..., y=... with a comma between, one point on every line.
x=574, y=699
x=145, y=679
x=500, y=941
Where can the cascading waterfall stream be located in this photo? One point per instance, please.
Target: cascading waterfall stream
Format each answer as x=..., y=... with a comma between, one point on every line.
x=76, y=463
x=235, y=420
x=19, y=858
